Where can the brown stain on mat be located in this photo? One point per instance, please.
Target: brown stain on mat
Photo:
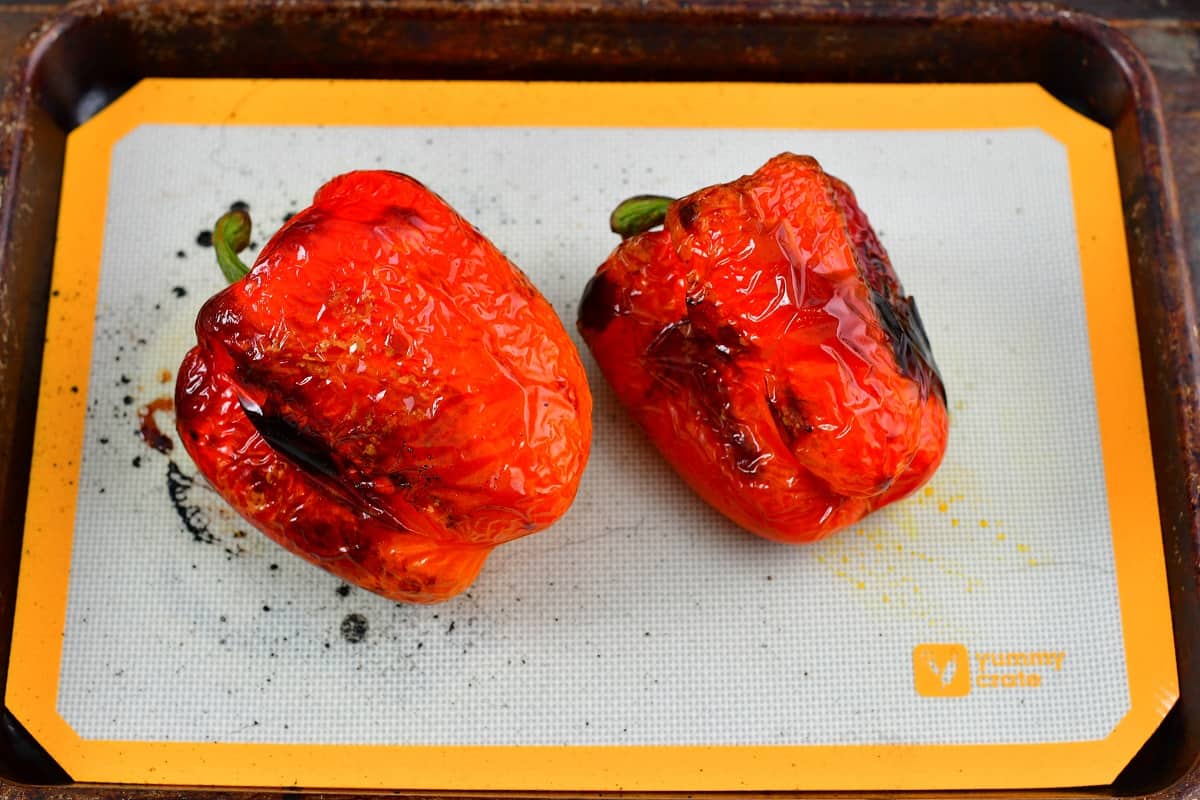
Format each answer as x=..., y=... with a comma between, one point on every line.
x=148, y=428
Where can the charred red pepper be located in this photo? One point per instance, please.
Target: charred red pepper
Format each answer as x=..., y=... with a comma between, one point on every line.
x=384, y=393
x=763, y=342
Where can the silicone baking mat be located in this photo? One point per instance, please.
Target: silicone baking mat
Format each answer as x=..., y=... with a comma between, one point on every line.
x=976, y=634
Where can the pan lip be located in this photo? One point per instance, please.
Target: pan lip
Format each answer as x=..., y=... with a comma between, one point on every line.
x=1180, y=351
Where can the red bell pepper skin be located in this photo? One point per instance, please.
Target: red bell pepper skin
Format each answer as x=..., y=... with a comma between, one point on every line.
x=384, y=394
x=763, y=342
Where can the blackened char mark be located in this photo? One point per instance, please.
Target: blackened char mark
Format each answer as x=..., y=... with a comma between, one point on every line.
x=910, y=345
x=897, y=313
x=687, y=215
x=686, y=357
x=600, y=305
x=306, y=451
x=790, y=418
x=314, y=456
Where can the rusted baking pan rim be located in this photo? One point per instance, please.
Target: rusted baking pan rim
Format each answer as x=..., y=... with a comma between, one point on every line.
x=87, y=54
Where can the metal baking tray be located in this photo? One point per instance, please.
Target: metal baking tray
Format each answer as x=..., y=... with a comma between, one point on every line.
x=91, y=52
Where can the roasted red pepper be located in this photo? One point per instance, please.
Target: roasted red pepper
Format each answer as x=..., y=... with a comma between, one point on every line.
x=384, y=394
x=763, y=342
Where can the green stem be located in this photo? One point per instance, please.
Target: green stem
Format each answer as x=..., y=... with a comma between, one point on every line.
x=231, y=235
x=639, y=214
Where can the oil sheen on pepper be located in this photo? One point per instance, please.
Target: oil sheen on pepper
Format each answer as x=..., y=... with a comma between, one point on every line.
x=385, y=394
x=763, y=342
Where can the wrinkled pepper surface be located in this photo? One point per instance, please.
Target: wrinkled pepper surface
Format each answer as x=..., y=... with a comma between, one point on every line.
x=762, y=340
x=384, y=393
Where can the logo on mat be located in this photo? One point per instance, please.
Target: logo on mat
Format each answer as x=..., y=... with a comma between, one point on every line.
x=941, y=670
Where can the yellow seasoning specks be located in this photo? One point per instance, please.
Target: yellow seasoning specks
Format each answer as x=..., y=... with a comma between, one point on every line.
x=1033, y=562
x=983, y=523
x=953, y=523
x=1022, y=548
x=1000, y=537
x=880, y=565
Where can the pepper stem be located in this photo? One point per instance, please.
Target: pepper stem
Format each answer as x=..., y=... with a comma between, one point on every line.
x=639, y=214
x=231, y=235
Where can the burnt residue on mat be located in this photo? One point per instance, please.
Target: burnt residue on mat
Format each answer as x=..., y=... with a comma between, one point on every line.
x=179, y=489
x=354, y=628
x=179, y=484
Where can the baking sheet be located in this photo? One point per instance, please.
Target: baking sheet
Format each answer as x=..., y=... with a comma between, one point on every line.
x=985, y=610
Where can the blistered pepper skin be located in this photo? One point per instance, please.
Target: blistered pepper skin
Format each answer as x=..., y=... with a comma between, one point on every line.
x=385, y=394
x=763, y=342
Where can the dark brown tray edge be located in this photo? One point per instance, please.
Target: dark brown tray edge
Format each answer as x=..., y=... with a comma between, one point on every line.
x=1149, y=196
x=23, y=300
x=1147, y=189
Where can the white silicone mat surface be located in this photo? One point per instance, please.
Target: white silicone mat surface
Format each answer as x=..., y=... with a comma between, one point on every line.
x=643, y=617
